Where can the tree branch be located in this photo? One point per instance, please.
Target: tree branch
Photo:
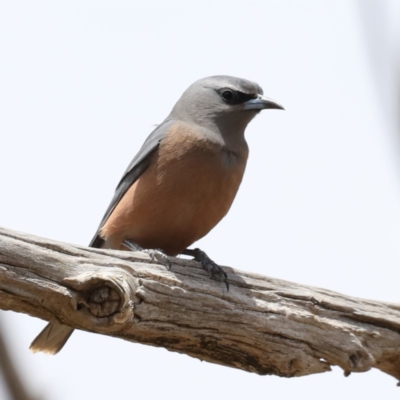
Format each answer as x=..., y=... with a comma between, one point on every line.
x=261, y=325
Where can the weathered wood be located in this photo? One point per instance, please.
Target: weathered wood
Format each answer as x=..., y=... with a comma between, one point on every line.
x=262, y=325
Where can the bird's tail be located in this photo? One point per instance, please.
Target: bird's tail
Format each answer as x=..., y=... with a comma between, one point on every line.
x=52, y=338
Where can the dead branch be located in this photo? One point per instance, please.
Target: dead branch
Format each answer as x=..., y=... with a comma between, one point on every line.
x=262, y=325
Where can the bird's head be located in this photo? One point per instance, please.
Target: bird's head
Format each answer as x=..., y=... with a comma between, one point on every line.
x=223, y=104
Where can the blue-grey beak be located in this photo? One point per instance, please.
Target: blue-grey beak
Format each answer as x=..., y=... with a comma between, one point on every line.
x=261, y=103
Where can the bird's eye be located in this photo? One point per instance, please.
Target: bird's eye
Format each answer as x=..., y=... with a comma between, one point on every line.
x=227, y=95
x=233, y=97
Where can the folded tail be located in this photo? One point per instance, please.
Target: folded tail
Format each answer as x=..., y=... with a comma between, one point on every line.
x=52, y=338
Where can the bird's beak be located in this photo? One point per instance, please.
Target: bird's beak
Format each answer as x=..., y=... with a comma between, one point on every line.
x=261, y=103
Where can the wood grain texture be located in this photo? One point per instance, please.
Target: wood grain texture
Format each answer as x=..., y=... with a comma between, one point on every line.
x=262, y=325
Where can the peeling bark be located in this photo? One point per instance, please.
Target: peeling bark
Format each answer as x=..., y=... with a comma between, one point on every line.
x=262, y=325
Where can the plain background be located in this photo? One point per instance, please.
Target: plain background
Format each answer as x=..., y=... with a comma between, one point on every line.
x=83, y=84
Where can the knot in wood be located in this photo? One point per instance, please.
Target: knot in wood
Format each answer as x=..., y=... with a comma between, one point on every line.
x=103, y=301
x=101, y=294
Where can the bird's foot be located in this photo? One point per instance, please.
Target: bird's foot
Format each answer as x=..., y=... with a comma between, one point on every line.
x=217, y=273
x=155, y=254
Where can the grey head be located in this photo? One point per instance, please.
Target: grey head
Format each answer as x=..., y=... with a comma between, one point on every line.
x=222, y=105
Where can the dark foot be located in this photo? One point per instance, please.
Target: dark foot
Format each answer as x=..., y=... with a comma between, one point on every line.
x=217, y=273
x=157, y=254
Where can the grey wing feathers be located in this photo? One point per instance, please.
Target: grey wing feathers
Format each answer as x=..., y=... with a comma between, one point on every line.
x=136, y=167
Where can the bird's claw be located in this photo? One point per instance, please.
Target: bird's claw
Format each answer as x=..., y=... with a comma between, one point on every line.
x=217, y=273
x=155, y=254
x=160, y=256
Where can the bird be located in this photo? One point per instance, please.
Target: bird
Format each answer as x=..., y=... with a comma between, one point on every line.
x=182, y=181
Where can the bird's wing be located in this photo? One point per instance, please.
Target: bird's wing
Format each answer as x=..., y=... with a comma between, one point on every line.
x=136, y=168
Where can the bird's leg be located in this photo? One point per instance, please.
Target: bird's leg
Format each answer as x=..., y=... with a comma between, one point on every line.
x=157, y=254
x=217, y=273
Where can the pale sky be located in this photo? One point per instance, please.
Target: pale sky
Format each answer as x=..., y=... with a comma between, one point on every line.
x=84, y=83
